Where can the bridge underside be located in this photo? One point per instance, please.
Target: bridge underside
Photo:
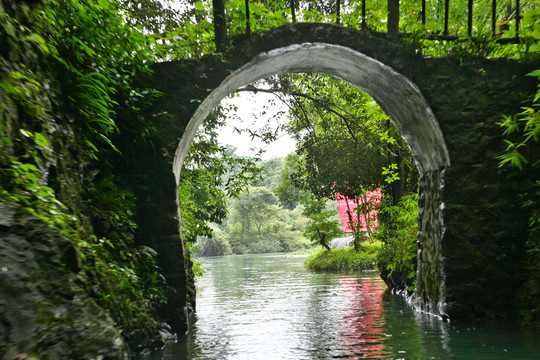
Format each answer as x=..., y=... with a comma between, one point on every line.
x=472, y=227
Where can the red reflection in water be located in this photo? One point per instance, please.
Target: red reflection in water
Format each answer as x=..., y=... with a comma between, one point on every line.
x=361, y=330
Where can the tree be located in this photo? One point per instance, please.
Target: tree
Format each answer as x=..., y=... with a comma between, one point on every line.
x=345, y=143
x=154, y=16
x=272, y=173
x=288, y=194
x=253, y=208
x=322, y=225
x=211, y=175
x=220, y=24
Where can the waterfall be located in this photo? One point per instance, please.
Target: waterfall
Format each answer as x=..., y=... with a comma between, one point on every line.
x=429, y=294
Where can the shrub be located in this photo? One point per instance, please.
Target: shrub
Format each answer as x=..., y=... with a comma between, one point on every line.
x=398, y=233
x=215, y=246
x=345, y=259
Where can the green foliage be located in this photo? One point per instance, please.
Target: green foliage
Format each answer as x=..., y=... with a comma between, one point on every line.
x=263, y=17
x=192, y=33
x=152, y=16
x=211, y=174
x=345, y=259
x=24, y=90
x=112, y=209
x=336, y=127
x=323, y=225
x=197, y=266
x=124, y=277
x=289, y=193
x=39, y=200
x=21, y=182
x=92, y=95
x=256, y=224
x=271, y=177
x=252, y=208
x=398, y=232
x=527, y=125
x=125, y=281
x=94, y=55
x=215, y=246
x=522, y=153
x=345, y=144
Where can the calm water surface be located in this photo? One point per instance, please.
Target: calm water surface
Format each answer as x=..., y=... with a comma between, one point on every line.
x=270, y=307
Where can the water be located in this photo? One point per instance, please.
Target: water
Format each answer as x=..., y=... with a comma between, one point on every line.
x=270, y=307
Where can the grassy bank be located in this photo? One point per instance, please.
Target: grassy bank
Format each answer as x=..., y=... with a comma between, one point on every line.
x=345, y=259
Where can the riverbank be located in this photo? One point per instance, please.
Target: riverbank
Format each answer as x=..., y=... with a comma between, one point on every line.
x=345, y=259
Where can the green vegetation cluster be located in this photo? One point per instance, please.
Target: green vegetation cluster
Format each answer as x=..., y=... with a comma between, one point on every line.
x=66, y=83
x=197, y=34
x=347, y=259
x=212, y=175
x=257, y=222
x=399, y=233
x=347, y=145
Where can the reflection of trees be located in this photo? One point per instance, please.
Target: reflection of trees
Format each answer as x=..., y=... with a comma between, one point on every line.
x=258, y=307
x=362, y=324
x=322, y=315
x=378, y=324
x=405, y=335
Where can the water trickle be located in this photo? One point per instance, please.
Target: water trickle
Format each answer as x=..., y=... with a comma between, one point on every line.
x=429, y=295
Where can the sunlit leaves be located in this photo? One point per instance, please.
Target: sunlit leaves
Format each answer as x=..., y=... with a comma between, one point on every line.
x=390, y=173
x=527, y=125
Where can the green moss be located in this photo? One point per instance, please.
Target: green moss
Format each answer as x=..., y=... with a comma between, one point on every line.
x=345, y=259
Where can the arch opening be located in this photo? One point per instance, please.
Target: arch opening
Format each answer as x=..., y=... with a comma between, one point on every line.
x=395, y=94
x=399, y=98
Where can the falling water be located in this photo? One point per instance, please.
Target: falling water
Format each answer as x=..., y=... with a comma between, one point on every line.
x=429, y=295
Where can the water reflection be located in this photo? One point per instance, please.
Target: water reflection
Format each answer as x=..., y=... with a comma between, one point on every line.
x=270, y=307
x=361, y=329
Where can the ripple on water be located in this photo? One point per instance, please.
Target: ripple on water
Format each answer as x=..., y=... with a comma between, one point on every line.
x=270, y=307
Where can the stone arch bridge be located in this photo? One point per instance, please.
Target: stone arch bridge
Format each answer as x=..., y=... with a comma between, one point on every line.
x=472, y=225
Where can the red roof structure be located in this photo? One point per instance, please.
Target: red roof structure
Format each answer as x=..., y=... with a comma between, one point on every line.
x=345, y=204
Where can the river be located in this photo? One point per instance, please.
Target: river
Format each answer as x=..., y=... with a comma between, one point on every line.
x=270, y=307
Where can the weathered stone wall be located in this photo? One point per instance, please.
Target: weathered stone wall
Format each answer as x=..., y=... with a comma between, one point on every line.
x=46, y=306
x=484, y=221
x=45, y=309
x=147, y=170
x=480, y=243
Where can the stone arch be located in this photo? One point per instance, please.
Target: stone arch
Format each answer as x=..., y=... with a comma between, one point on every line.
x=400, y=98
x=396, y=95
